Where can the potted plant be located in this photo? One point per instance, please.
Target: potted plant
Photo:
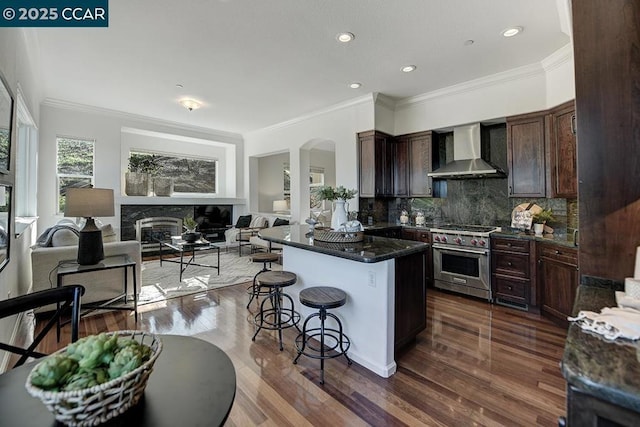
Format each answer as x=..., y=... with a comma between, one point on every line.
x=540, y=219
x=137, y=178
x=338, y=196
x=190, y=226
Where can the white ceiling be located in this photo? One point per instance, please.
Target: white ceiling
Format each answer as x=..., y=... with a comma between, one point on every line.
x=257, y=63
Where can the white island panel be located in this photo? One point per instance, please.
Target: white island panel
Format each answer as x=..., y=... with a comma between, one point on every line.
x=368, y=315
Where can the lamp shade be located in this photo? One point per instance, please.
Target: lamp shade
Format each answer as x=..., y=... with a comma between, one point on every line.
x=89, y=202
x=280, y=206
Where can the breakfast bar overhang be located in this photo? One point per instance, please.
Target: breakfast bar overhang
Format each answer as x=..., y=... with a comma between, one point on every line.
x=385, y=282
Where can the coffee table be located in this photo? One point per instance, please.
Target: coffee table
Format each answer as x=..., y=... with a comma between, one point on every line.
x=190, y=247
x=200, y=392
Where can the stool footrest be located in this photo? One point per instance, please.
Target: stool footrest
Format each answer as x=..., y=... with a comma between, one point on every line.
x=309, y=346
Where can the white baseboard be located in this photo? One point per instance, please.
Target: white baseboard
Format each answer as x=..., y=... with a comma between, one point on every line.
x=14, y=335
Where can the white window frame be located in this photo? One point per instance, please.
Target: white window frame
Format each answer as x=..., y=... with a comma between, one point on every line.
x=68, y=175
x=26, y=161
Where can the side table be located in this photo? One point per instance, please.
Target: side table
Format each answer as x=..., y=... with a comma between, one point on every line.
x=68, y=268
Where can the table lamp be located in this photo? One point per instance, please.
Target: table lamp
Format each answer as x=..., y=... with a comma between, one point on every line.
x=89, y=203
x=280, y=206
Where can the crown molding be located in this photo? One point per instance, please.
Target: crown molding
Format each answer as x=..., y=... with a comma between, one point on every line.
x=67, y=105
x=524, y=72
x=558, y=58
x=336, y=107
x=384, y=101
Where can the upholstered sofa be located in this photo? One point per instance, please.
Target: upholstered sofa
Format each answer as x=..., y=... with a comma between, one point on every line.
x=260, y=244
x=100, y=285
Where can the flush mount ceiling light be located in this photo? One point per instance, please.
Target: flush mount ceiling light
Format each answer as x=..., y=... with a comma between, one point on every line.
x=512, y=31
x=408, y=68
x=345, y=37
x=355, y=85
x=190, y=104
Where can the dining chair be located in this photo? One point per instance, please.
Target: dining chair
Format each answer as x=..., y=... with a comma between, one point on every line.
x=64, y=297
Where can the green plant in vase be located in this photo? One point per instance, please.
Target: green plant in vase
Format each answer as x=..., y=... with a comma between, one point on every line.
x=338, y=196
x=190, y=226
x=540, y=219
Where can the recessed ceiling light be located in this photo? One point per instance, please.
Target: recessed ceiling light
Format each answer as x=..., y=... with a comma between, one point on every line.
x=355, y=85
x=408, y=68
x=190, y=104
x=345, y=37
x=179, y=86
x=512, y=31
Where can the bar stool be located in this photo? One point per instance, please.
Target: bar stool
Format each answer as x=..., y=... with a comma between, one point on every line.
x=322, y=298
x=277, y=317
x=265, y=258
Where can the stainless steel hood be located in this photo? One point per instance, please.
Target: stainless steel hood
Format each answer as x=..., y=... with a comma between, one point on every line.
x=467, y=162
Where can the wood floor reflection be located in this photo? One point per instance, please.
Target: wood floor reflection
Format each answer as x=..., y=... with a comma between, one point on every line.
x=475, y=364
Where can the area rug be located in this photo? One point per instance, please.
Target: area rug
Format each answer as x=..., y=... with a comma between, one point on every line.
x=161, y=283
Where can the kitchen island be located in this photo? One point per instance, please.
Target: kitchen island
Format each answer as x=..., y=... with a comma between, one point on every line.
x=385, y=284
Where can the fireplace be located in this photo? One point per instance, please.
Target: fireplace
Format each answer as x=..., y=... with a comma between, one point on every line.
x=151, y=230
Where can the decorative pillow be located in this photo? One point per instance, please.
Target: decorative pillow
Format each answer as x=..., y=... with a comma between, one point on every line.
x=108, y=234
x=279, y=221
x=259, y=222
x=243, y=221
x=64, y=237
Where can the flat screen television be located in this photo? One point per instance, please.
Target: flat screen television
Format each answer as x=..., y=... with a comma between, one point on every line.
x=212, y=216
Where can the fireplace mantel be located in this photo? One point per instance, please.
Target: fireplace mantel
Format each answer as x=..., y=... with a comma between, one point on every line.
x=142, y=200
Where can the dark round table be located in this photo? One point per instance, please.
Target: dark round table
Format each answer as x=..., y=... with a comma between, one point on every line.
x=193, y=383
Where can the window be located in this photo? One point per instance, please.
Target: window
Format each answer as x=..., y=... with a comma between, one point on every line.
x=189, y=174
x=316, y=179
x=75, y=159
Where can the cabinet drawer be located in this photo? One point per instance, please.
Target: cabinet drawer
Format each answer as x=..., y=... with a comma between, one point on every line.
x=511, y=264
x=512, y=245
x=559, y=253
x=511, y=288
x=423, y=236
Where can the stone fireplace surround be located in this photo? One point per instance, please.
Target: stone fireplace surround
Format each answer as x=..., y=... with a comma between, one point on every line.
x=129, y=214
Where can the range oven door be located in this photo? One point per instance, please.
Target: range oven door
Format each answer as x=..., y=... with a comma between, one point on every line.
x=463, y=270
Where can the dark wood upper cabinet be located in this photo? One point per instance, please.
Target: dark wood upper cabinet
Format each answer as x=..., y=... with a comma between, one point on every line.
x=526, y=155
x=375, y=155
x=400, y=167
x=563, y=171
x=420, y=163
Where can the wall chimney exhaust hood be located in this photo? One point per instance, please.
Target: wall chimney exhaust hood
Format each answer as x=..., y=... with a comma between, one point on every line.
x=467, y=162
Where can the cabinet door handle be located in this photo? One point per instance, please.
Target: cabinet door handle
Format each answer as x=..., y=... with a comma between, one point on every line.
x=557, y=252
x=510, y=190
x=574, y=130
x=509, y=263
x=510, y=288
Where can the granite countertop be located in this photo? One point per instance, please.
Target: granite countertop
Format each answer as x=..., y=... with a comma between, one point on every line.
x=371, y=249
x=604, y=369
x=559, y=238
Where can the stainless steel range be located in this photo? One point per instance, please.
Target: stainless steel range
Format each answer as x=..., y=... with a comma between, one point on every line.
x=461, y=259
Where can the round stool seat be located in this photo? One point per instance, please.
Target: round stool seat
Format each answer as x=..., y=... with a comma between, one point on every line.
x=265, y=257
x=277, y=278
x=323, y=297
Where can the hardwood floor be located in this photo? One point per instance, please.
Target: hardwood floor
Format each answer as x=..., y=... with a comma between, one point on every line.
x=475, y=364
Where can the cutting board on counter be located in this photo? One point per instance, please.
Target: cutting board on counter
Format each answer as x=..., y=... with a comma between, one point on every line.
x=522, y=215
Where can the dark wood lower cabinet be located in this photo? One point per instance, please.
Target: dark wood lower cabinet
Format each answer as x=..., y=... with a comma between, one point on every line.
x=558, y=278
x=585, y=410
x=410, y=298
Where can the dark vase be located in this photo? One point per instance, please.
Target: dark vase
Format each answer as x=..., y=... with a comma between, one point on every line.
x=190, y=237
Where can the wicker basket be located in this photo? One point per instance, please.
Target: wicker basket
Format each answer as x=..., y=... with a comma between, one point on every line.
x=325, y=234
x=96, y=405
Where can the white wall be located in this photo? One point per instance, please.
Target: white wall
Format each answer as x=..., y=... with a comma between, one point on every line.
x=338, y=124
x=270, y=186
x=111, y=151
x=19, y=67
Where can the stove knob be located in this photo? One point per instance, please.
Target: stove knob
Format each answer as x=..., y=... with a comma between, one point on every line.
x=482, y=243
x=458, y=240
x=474, y=242
x=436, y=238
x=443, y=239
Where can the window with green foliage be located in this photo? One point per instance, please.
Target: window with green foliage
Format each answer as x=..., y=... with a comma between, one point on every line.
x=189, y=174
x=75, y=160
